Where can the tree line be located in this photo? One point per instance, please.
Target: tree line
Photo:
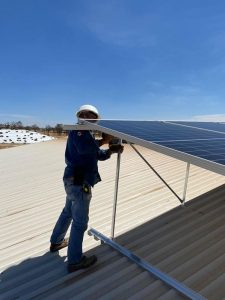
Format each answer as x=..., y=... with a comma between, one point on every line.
x=58, y=128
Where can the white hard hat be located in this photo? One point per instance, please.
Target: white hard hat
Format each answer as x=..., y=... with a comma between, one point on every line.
x=88, y=107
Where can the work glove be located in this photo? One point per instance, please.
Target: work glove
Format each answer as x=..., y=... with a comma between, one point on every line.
x=116, y=148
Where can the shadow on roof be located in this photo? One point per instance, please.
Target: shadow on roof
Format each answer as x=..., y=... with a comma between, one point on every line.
x=186, y=242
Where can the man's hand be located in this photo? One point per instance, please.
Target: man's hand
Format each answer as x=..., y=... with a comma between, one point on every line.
x=116, y=148
x=106, y=139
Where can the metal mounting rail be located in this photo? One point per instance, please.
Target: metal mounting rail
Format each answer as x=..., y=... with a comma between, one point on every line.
x=156, y=173
x=180, y=287
x=115, y=194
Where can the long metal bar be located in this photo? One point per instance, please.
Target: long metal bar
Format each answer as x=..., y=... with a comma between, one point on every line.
x=115, y=195
x=156, y=173
x=148, y=267
x=186, y=182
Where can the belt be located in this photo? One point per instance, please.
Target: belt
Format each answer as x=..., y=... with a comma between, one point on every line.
x=86, y=188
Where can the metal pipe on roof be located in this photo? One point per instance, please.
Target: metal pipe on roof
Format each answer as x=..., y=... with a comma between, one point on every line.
x=186, y=182
x=170, y=281
x=135, y=149
x=115, y=194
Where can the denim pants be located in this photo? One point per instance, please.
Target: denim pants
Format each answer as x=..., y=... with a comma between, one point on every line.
x=76, y=210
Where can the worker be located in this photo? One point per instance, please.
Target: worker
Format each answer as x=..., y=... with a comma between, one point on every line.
x=80, y=175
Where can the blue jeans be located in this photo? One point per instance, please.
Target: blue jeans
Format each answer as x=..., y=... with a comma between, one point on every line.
x=76, y=210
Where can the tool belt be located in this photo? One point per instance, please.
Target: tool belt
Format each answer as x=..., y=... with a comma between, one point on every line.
x=86, y=188
x=78, y=179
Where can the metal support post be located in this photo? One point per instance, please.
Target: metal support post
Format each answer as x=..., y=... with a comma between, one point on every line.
x=186, y=183
x=156, y=173
x=115, y=195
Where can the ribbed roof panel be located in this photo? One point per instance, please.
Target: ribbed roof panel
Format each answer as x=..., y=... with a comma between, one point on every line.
x=186, y=242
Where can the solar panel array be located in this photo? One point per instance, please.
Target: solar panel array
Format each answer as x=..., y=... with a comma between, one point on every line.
x=156, y=131
x=213, y=126
x=203, y=140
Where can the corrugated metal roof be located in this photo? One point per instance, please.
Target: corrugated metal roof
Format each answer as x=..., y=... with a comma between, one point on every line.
x=187, y=243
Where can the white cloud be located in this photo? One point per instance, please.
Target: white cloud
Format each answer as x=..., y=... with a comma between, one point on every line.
x=112, y=23
x=217, y=43
x=209, y=118
x=185, y=90
x=25, y=119
x=16, y=116
x=29, y=120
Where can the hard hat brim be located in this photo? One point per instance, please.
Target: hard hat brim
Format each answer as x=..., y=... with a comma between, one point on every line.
x=80, y=111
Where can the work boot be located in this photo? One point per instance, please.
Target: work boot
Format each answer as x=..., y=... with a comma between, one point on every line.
x=57, y=247
x=83, y=264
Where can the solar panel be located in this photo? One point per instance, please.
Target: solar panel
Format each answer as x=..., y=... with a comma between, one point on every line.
x=204, y=147
x=202, y=144
x=212, y=126
x=156, y=131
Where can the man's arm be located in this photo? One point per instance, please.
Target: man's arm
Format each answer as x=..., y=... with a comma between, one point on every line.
x=105, y=154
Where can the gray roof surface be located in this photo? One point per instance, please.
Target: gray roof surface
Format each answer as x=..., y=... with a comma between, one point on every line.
x=186, y=242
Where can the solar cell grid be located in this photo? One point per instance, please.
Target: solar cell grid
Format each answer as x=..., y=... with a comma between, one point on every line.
x=204, y=147
x=215, y=126
x=155, y=131
x=211, y=150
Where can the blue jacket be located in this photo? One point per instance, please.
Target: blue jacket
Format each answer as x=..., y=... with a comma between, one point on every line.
x=81, y=156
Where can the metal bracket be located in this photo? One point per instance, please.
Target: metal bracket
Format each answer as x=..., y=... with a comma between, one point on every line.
x=148, y=267
x=156, y=173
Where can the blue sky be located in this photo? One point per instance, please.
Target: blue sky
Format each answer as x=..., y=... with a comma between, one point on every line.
x=133, y=59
